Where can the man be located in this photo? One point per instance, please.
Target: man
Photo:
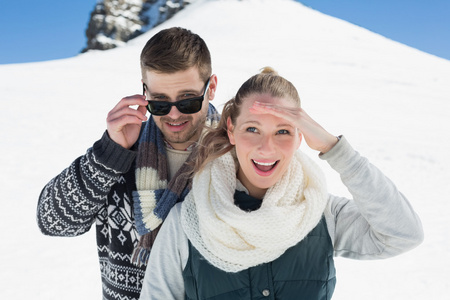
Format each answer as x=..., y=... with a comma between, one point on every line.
x=128, y=181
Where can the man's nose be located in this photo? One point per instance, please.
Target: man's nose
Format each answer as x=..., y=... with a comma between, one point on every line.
x=174, y=113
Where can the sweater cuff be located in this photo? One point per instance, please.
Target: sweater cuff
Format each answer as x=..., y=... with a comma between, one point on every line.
x=112, y=155
x=342, y=156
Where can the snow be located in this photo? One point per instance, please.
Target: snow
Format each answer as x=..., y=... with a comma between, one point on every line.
x=105, y=40
x=391, y=102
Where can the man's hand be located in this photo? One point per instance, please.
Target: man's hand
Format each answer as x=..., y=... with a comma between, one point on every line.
x=124, y=122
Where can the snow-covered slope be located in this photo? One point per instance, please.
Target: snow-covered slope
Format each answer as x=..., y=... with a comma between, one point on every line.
x=391, y=101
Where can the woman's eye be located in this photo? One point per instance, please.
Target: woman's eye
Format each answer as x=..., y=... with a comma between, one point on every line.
x=251, y=129
x=283, y=131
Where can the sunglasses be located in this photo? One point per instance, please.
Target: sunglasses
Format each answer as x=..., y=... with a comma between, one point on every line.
x=185, y=106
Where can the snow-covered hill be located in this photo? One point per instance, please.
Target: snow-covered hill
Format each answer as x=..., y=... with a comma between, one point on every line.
x=391, y=101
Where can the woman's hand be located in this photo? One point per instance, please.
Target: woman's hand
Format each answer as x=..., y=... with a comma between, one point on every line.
x=315, y=135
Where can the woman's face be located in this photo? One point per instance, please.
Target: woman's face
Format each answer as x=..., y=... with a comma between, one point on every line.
x=264, y=144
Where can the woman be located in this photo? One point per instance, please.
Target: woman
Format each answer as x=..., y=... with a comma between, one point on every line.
x=259, y=222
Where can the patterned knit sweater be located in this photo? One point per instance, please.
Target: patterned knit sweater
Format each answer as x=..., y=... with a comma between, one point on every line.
x=97, y=187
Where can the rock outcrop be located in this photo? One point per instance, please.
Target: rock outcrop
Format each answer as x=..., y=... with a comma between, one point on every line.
x=114, y=22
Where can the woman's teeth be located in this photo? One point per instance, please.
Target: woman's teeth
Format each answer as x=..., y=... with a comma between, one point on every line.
x=264, y=166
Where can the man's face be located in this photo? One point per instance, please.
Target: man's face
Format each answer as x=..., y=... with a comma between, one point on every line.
x=179, y=130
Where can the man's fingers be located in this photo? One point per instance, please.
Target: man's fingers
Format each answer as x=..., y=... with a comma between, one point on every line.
x=138, y=100
x=123, y=121
x=127, y=111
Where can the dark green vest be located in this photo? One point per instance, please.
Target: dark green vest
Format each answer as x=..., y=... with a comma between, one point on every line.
x=304, y=271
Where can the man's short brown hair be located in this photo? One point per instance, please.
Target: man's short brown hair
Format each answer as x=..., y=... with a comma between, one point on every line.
x=176, y=49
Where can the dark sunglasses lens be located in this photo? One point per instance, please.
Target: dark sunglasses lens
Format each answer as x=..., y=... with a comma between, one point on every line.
x=159, y=108
x=190, y=106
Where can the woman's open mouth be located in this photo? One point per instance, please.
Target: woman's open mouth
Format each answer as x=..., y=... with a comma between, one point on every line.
x=264, y=168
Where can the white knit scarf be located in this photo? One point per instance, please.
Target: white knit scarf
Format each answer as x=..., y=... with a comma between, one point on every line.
x=232, y=239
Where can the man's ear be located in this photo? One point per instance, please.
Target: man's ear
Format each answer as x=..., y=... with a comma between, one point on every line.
x=212, y=87
x=230, y=129
x=143, y=87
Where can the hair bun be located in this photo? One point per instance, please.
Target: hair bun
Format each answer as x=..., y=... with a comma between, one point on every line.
x=269, y=70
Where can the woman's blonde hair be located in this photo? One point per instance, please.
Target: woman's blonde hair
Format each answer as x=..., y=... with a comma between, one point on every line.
x=215, y=142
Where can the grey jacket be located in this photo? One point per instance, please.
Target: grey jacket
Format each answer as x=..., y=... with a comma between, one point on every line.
x=377, y=223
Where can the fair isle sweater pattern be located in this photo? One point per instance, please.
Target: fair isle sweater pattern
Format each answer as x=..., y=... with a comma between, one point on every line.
x=97, y=188
x=87, y=192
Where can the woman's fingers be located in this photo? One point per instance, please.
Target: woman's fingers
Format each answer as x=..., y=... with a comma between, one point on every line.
x=314, y=134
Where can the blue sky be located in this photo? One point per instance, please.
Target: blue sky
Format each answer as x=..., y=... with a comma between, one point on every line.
x=53, y=29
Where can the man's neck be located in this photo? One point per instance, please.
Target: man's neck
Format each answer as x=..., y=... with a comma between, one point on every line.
x=183, y=148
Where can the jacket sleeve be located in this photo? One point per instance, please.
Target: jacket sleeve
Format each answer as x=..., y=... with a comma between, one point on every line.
x=168, y=258
x=378, y=222
x=68, y=204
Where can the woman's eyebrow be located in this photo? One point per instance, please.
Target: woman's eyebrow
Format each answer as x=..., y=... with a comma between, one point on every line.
x=250, y=122
x=259, y=123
